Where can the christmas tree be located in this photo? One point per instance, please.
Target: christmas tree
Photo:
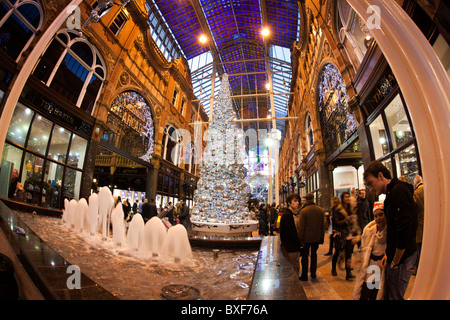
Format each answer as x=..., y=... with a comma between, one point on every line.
x=221, y=195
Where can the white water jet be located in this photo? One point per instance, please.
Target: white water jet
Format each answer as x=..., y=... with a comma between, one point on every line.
x=155, y=234
x=118, y=225
x=81, y=215
x=135, y=236
x=105, y=205
x=177, y=245
x=93, y=214
x=72, y=213
x=65, y=211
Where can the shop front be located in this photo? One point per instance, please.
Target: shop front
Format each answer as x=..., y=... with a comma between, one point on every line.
x=389, y=130
x=45, y=146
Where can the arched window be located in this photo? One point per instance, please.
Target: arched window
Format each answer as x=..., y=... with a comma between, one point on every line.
x=171, y=145
x=352, y=32
x=131, y=115
x=20, y=20
x=309, y=133
x=74, y=68
x=337, y=121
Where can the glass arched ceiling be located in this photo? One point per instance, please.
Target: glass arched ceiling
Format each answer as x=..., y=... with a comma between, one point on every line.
x=233, y=27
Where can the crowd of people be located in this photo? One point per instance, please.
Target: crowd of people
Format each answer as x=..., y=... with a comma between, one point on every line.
x=180, y=213
x=387, y=234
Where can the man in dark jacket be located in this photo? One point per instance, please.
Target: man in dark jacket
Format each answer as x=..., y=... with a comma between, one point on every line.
x=311, y=234
x=401, y=218
x=288, y=232
x=185, y=218
x=363, y=211
x=153, y=209
x=146, y=210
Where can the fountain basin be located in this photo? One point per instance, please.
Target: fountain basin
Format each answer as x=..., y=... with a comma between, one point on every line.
x=226, y=230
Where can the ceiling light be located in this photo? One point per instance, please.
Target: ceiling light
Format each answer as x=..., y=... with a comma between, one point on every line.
x=268, y=86
x=265, y=32
x=203, y=38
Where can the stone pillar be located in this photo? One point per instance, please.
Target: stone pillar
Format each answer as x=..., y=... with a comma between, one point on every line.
x=152, y=179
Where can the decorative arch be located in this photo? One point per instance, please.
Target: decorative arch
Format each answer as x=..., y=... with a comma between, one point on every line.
x=130, y=108
x=73, y=67
x=337, y=121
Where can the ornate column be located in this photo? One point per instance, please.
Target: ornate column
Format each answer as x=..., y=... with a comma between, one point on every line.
x=426, y=89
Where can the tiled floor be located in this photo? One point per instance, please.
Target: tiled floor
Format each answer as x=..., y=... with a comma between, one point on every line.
x=275, y=279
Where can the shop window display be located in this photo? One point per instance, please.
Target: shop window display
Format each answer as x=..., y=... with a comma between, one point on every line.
x=46, y=155
x=393, y=140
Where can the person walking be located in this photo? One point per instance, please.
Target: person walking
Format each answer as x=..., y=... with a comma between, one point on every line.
x=311, y=235
x=146, y=210
x=329, y=217
x=363, y=211
x=273, y=219
x=263, y=220
x=343, y=229
x=401, y=221
x=290, y=242
x=153, y=210
x=170, y=214
x=185, y=217
x=373, y=249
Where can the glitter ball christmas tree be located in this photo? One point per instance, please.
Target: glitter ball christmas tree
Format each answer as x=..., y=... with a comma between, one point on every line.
x=221, y=195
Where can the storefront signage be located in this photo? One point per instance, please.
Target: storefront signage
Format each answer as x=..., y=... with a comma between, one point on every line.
x=66, y=117
x=384, y=86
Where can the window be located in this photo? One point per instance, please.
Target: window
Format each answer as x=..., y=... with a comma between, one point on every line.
x=393, y=140
x=171, y=145
x=20, y=124
x=183, y=103
x=174, y=98
x=49, y=158
x=353, y=32
x=309, y=133
x=379, y=138
x=161, y=33
x=118, y=23
x=73, y=67
x=20, y=20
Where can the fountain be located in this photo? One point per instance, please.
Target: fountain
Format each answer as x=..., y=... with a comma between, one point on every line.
x=135, y=235
x=177, y=245
x=155, y=234
x=72, y=213
x=117, y=217
x=81, y=215
x=93, y=214
x=152, y=239
x=105, y=205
